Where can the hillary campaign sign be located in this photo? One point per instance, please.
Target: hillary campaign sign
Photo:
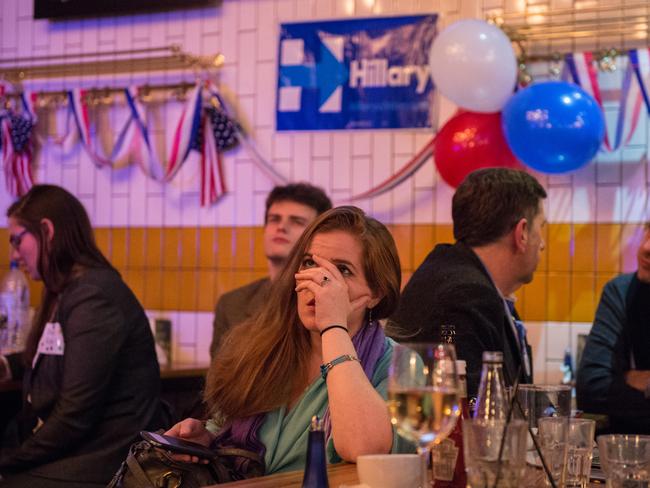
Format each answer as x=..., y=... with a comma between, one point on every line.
x=356, y=74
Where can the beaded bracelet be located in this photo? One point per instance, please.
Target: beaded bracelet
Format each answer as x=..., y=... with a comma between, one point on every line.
x=325, y=368
x=336, y=326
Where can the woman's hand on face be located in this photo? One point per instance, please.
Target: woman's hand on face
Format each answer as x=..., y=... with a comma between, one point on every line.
x=191, y=430
x=327, y=284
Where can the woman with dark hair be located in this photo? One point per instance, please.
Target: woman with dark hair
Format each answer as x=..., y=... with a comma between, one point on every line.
x=90, y=376
x=316, y=348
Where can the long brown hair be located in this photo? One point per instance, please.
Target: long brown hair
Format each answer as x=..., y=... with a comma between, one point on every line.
x=262, y=363
x=71, y=249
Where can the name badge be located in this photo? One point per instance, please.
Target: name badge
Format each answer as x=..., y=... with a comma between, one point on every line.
x=51, y=342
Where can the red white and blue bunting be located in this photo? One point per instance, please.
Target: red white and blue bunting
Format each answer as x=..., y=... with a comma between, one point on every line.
x=204, y=127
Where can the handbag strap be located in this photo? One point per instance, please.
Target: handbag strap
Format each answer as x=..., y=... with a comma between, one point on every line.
x=138, y=472
x=236, y=452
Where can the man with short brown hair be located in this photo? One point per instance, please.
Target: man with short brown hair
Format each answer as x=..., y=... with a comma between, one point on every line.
x=289, y=210
x=463, y=293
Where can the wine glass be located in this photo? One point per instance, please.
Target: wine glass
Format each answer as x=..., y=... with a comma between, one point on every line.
x=423, y=396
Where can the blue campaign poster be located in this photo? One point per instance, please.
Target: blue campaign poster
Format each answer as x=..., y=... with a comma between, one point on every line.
x=356, y=74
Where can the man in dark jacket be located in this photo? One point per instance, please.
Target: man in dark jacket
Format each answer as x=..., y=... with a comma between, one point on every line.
x=614, y=374
x=462, y=293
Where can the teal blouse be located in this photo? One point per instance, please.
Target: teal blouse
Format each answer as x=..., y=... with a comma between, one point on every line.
x=284, y=434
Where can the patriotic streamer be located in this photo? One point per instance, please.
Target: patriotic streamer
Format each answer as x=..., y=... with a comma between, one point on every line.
x=16, y=160
x=259, y=161
x=640, y=61
x=629, y=106
x=186, y=133
x=585, y=74
x=402, y=175
x=79, y=112
x=213, y=184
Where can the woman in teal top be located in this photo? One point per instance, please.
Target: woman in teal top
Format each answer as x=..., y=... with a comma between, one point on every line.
x=316, y=348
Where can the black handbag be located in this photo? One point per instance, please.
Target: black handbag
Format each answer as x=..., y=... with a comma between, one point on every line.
x=149, y=467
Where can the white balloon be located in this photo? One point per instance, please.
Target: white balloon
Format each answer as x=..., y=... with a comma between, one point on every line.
x=473, y=64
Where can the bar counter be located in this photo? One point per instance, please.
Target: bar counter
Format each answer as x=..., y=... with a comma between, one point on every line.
x=339, y=475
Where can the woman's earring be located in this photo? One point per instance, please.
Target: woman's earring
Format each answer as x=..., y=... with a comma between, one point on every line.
x=369, y=315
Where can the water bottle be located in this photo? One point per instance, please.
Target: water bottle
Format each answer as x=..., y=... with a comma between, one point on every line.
x=316, y=466
x=14, y=310
x=448, y=460
x=492, y=401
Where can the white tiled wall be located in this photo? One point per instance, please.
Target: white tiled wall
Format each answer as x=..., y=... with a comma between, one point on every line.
x=612, y=189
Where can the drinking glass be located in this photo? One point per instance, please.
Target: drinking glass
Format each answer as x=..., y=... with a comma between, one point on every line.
x=625, y=459
x=552, y=435
x=423, y=396
x=486, y=467
x=580, y=450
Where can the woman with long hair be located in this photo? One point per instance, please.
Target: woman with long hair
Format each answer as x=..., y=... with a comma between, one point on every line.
x=90, y=376
x=316, y=348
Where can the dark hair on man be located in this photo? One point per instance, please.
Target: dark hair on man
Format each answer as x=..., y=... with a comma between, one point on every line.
x=303, y=193
x=489, y=203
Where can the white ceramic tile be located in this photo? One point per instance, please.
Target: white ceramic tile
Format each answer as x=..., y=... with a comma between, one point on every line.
x=443, y=194
x=361, y=174
x=608, y=201
x=244, y=181
x=558, y=338
x=230, y=31
x=559, y=204
x=247, y=63
x=341, y=161
x=321, y=144
x=361, y=143
x=301, y=156
x=203, y=335
x=267, y=32
x=9, y=25
x=265, y=74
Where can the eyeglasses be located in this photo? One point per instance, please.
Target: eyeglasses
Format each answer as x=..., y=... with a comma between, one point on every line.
x=15, y=240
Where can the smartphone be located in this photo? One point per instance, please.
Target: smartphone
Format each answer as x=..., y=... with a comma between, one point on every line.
x=178, y=446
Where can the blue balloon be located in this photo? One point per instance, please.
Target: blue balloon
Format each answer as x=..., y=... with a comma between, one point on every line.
x=553, y=126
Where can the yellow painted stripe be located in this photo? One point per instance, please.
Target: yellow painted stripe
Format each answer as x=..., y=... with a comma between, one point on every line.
x=186, y=269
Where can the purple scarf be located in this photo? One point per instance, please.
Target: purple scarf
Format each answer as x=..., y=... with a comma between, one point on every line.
x=369, y=342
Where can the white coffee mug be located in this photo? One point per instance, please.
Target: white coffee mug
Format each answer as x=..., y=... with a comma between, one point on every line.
x=392, y=470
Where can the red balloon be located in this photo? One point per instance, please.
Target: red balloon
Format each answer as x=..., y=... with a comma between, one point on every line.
x=469, y=141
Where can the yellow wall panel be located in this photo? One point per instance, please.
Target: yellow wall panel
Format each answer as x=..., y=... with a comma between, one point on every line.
x=171, y=291
x=582, y=297
x=153, y=289
x=259, y=259
x=206, y=293
x=534, y=298
x=188, y=268
x=136, y=247
x=103, y=240
x=189, y=248
x=225, y=248
x=119, y=250
x=243, y=248
x=558, y=247
x=608, y=247
x=584, y=247
x=403, y=236
x=153, y=256
x=187, y=289
x=207, y=247
x=558, y=305
x=424, y=238
x=171, y=247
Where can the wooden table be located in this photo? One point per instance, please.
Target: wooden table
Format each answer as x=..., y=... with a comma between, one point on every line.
x=338, y=474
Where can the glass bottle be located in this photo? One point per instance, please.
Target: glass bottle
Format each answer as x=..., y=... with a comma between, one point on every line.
x=448, y=460
x=14, y=310
x=316, y=466
x=492, y=401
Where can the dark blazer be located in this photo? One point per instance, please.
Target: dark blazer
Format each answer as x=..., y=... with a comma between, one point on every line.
x=235, y=307
x=452, y=287
x=96, y=397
